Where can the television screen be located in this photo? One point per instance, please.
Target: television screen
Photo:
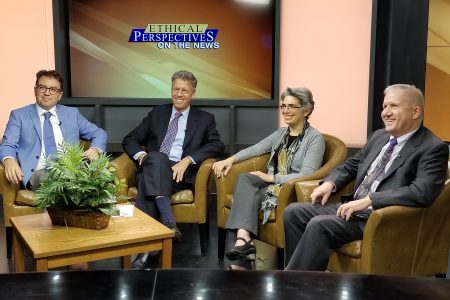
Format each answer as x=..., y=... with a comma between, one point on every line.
x=130, y=49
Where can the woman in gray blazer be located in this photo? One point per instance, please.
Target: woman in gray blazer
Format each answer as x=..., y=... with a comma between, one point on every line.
x=296, y=150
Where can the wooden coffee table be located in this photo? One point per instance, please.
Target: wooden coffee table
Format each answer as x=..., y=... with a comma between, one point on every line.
x=53, y=246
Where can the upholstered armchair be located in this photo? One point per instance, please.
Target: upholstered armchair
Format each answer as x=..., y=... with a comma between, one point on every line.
x=188, y=206
x=17, y=201
x=398, y=240
x=272, y=232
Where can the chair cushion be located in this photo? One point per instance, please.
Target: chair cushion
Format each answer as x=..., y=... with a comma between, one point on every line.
x=352, y=249
x=181, y=197
x=25, y=198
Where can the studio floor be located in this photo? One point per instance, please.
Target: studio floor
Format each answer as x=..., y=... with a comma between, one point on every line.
x=186, y=254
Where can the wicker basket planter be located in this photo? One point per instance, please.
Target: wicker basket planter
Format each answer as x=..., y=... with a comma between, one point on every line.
x=81, y=219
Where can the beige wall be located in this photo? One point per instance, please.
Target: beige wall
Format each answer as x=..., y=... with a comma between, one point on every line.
x=325, y=46
x=26, y=37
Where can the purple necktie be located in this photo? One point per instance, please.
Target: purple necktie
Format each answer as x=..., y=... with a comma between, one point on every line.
x=364, y=187
x=49, y=138
x=170, y=134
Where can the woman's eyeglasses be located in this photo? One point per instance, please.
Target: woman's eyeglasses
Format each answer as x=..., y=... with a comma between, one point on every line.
x=289, y=106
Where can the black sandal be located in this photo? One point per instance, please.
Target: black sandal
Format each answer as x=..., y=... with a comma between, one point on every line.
x=248, y=250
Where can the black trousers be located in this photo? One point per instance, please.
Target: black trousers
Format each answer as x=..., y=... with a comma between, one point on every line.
x=313, y=231
x=154, y=178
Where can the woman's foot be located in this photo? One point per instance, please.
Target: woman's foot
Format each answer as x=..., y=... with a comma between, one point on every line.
x=242, y=249
x=235, y=268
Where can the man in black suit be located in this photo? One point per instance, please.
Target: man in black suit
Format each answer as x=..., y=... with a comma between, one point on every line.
x=177, y=139
x=402, y=164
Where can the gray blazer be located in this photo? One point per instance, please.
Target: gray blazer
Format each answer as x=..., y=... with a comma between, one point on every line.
x=307, y=159
x=415, y=178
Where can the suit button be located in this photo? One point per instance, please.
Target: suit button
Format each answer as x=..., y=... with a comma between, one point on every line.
x=37, y=157
x=32, y=170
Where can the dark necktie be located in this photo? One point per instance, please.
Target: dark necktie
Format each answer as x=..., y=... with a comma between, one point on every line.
x=364, y=187
x=172, y=130
x=49, y=138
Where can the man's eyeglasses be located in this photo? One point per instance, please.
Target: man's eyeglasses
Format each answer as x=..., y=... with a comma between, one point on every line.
x=183, y=91
x=289, y=106
x=52, y=90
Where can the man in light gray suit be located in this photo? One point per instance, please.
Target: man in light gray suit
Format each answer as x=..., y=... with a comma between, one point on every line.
x=402, y=164
x=22, y=150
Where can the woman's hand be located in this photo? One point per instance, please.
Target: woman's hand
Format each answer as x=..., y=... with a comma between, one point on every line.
x=264, y=176
x=221, y=168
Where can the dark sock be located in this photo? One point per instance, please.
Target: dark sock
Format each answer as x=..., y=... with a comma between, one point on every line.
x=165, y=210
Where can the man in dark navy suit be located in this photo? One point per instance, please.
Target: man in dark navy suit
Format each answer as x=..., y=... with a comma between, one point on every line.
x=177, y=138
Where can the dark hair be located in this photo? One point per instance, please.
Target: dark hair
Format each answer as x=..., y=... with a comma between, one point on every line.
x=52, y=74
x=185, y=75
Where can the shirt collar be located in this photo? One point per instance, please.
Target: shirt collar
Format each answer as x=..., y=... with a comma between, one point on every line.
x=405, y=137
x=184, y=113
x=41, y=111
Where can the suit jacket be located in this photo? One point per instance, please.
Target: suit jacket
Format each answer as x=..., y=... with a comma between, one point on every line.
x=307, y=159
x=23, y=135
x=201, y=141
x=415, y=178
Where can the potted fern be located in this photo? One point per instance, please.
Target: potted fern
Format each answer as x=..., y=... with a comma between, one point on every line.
x=78, y=192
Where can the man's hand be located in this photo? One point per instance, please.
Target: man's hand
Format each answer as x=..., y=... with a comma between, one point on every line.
x=141, y=157
x=221, y=168
x=264, y=176
x=322, y=192
x=13, y=171
x=179, y=169
x=91, y=153
x=346, y=210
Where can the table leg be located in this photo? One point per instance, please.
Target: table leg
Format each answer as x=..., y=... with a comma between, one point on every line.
x=126, y=261
x=19, y=263
x=41, y=265
x=166, y=257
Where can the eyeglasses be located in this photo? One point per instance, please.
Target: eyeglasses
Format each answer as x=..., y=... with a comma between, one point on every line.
x=289, y=106
x=42, y=88
x=183, y=91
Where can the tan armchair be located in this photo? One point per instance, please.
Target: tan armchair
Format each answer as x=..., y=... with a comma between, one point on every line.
x=188, y=206
x=17, y=202
x=398, y=240
x=273, y=231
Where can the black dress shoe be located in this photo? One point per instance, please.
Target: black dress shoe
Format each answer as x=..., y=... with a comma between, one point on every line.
x=146, y=261
x=178, y=237
x=248, y=250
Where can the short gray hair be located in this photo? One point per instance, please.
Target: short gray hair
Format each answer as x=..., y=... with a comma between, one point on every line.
x=412, y=93
x=303, y=95
x=185, y=75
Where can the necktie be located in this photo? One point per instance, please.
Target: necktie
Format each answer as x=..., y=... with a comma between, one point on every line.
x=166, y=145
x=364, y=187
x=49, y=138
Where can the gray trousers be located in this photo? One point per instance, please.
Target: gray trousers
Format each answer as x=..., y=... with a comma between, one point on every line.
x=313, y=231
x=249, y=192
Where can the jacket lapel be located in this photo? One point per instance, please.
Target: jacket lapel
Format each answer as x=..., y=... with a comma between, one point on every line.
x=406, y=151
x=34, y=116
x=61, y=116
x=164, y=125
x=191, y=126
x=372, y=155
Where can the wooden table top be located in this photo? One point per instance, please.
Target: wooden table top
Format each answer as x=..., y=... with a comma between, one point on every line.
x=44, y=239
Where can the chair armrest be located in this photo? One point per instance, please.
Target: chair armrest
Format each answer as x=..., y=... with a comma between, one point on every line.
x=9, y=194
x=125, y=171
x=390, y=240
x=304, y=190
x=202, y=189
x=225, y=184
